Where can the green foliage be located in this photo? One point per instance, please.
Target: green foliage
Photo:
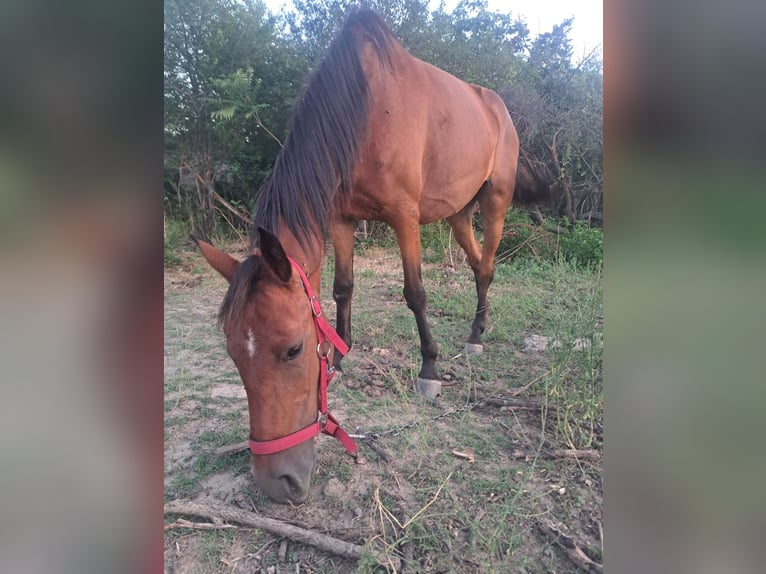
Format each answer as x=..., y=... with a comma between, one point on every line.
x=436, y=241
x=583, y=244
x=230, y=82
x=579, y=243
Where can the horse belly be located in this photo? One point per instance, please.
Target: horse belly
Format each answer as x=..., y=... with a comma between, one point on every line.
x=454, y=168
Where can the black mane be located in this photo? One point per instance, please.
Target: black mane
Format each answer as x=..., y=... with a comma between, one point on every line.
x=322, y=147
x=325, y=134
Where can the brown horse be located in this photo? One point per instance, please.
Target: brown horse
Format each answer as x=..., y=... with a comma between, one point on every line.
x=380, y=135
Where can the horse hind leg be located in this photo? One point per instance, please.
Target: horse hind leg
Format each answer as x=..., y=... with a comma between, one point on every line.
x=462, y=228
x=494, y=202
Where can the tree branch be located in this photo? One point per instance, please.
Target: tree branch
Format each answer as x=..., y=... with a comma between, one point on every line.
x=216, y=511
x=229, y=206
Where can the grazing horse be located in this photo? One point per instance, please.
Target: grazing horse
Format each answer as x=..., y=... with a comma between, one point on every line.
x=380, y=135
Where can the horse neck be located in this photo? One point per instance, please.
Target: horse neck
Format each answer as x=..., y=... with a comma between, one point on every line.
x=310, y=259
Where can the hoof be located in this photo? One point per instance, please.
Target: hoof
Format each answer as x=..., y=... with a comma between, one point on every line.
x=429, y=389
x=473, y=349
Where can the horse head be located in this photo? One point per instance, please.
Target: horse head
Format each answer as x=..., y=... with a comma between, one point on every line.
x=271, y=337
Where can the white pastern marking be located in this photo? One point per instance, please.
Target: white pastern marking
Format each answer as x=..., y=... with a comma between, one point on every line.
x=250, y=343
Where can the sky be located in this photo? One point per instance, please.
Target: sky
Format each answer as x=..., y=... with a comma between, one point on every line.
x=541, y=16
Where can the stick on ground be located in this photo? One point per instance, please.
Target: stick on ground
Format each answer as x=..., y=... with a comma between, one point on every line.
x=573, y=550
x=213, y=511
x=549, y=454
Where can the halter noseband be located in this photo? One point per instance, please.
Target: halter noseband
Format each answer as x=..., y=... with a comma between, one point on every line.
x=325, y=422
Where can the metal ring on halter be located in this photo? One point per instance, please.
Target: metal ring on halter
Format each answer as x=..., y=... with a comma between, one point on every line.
x=324, y=346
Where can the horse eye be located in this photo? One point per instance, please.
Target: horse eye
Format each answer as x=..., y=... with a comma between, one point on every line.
x=294, y=352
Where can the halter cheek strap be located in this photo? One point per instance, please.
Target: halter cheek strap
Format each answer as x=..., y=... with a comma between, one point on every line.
x=327, y=338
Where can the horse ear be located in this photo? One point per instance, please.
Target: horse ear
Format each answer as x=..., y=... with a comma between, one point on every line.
x=274, y=255
x=222, y=262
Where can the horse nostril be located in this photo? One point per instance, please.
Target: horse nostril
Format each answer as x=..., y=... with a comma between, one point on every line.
x=295, y=490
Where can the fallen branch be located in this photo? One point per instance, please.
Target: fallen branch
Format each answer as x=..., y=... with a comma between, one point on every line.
x=182, y=523
x=214, y=511
x=573, y=550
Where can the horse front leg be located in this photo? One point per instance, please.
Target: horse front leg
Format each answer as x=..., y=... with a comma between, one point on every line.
x=408, y=236
x=342, y=232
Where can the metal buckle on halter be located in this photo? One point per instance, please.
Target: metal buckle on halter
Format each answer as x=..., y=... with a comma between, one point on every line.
x=322, y=420
x=315, y=307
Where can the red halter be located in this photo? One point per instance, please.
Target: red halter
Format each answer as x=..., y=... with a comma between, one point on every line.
x=325, y=423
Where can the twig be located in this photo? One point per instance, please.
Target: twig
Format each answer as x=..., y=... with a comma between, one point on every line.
x=213, y=511
x=384, y=512
x=231, y=449
x=430, y=502
x=230, y=207
x=520, y=390
x=571, y=547
x=264, y=128
x=558, y=453
x=228, y=221
x=517, y=404
x=600, y=535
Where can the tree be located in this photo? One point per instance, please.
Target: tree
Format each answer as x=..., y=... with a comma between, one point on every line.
x=233, y=72
x=217, y=55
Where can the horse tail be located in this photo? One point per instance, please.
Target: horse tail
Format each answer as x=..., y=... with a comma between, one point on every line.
x=533, y=186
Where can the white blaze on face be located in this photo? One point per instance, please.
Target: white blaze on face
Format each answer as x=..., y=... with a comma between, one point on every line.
x=250, y=343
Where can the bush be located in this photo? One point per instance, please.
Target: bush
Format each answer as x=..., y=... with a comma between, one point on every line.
x=523, y=240
x=579, y=244
x=582, y=244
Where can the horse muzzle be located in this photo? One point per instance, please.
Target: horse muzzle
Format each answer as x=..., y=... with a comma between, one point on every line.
x=285, y=476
